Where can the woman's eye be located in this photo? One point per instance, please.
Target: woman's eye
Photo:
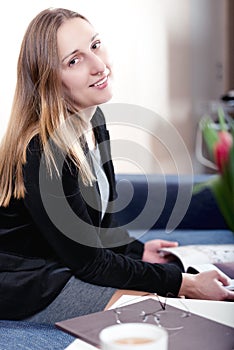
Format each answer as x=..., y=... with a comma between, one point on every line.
x=96, y=45
x=73, y=62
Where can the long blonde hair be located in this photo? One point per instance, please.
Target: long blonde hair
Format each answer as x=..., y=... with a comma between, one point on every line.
x=39, y=107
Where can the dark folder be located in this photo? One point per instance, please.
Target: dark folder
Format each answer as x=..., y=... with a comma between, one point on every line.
x=227, y=268
x=197, y=332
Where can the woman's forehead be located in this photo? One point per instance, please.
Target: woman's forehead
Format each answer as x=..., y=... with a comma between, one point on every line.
x=74, y=34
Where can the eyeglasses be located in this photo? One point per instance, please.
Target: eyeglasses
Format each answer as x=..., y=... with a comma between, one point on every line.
x=171, y=319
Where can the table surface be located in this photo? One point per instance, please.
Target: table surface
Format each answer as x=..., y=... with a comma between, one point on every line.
x=219, y=311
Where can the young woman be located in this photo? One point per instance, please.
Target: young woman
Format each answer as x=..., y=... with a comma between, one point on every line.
x=61, y=252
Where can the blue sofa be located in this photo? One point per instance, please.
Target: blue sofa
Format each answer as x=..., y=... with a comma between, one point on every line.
x=150, y=207
x=196, y=218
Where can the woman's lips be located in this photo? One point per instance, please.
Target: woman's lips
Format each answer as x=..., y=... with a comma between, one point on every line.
x=101, y=83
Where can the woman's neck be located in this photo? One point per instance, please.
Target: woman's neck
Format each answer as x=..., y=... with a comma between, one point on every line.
x=87, y=114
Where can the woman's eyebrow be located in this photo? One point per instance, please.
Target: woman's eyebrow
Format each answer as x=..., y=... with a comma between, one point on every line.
x=94, y=36
x=71, y=53
x=77, y=50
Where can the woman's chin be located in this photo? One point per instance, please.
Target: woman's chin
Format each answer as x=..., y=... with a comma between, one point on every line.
x=105, y=98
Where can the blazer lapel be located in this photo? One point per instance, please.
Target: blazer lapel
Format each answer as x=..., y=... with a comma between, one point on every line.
x=103, y=138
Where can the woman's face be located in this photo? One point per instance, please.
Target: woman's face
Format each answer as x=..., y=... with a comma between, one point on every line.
x=85, y=67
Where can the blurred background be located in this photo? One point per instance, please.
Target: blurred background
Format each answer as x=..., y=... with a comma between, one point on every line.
x=173, y=58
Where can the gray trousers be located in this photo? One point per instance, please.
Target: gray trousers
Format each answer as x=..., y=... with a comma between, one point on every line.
x=77, y=298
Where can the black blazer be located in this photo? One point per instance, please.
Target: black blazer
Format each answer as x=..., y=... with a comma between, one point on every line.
x=56, y=232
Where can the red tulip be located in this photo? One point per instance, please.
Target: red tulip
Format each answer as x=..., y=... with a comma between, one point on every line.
x=220, y=145
x=222, y=149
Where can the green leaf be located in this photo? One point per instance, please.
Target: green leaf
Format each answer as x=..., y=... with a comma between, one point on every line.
x=221, y=119
x=201, y=186
x=225, y=200
x=231, y=167
x=209, y=133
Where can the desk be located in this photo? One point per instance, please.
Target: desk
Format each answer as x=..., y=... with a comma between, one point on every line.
x=220, y=311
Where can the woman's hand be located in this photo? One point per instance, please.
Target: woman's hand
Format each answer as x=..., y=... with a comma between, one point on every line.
x=152, y=251
x=207, y=285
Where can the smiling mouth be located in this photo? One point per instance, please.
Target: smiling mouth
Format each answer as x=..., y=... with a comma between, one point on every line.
x=100, y=82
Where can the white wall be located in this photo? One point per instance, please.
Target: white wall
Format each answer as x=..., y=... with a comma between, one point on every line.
x=150, y=41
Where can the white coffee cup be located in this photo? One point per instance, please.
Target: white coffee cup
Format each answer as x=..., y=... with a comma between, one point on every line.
x=129, y=336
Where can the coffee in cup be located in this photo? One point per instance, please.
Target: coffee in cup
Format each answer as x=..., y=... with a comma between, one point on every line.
x=129, y=336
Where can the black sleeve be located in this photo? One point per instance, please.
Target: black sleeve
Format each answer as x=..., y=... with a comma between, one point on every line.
x=61, y=221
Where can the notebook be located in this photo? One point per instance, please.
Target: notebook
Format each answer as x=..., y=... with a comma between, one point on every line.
x=196, y=332
x=204, y=257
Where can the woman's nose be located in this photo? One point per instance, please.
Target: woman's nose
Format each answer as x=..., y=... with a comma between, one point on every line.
x=96, y=64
